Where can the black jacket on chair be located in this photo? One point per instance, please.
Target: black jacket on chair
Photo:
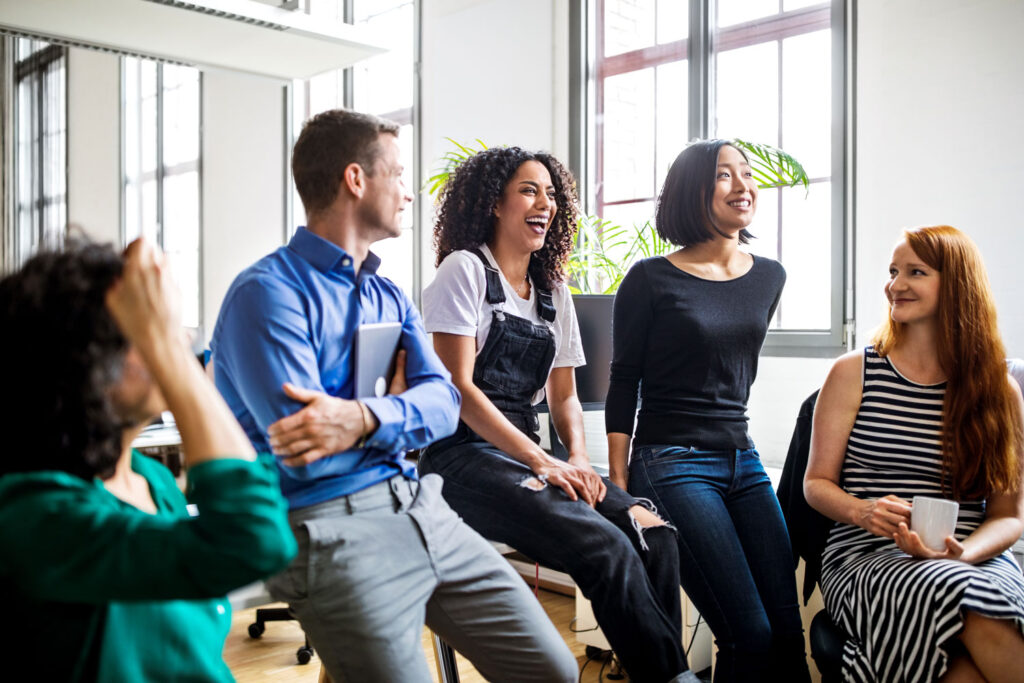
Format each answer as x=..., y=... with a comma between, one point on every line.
x=808, y=533
x=808, y=528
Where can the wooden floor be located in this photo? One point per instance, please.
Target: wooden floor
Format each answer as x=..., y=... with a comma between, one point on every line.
x=272, y=657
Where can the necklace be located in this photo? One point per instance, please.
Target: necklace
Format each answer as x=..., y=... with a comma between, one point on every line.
x=523, y=289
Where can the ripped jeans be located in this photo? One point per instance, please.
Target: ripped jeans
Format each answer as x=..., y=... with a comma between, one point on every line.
x=630, y=575
x=737, y=565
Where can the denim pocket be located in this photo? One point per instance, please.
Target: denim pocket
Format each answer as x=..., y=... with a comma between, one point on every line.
x=656, y=453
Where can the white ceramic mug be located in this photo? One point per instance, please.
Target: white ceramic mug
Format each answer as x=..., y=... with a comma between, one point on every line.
x=934, y=519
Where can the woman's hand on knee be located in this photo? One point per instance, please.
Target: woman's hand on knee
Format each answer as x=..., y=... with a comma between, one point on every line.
x=595, y=483
x=909, y=542
x=882, y=516
x=577, y=482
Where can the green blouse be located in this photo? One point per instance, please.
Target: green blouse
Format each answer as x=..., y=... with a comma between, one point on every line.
x=106, y=591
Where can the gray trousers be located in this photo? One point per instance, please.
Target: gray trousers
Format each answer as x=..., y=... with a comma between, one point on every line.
x=374, y=566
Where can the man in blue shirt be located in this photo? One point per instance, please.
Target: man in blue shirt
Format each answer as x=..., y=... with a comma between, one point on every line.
x=379, y=552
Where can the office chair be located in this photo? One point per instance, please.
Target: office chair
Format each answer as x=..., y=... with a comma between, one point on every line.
x=264, y=614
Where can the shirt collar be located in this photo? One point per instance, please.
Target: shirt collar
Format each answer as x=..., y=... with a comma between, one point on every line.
x=326, y=256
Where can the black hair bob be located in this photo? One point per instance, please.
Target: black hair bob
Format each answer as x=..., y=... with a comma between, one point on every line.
x=684, y=205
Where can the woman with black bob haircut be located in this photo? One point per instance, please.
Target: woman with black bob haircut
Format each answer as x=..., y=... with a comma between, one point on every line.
x=504, y=324
x=684, y=214
x=687, y=330
x=109, y=574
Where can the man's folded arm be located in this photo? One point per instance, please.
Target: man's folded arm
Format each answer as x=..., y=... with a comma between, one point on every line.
x=262, y=342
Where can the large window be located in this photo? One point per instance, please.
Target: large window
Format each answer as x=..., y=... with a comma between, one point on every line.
x=161, y=169
x=663, y=72
x=40, y=151
x=385, y=86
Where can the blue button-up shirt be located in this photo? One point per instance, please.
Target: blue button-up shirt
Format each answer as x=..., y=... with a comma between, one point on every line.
x=291, y=317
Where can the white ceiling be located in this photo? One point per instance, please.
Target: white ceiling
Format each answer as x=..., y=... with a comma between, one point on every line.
x=305, y=47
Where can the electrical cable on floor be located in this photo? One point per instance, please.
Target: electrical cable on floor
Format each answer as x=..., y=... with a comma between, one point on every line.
x=600, y=653
x=572, y=629
x=693, y=638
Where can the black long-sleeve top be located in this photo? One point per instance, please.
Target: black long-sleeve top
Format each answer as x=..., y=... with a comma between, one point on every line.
x=691, y=345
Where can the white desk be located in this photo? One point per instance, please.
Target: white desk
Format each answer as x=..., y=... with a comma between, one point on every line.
x=163, y=443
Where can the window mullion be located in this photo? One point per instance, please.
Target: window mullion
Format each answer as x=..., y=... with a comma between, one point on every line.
x=160, y=155
x=348, y=74
x=782, y=197
x=39, y=175
x=698, y=62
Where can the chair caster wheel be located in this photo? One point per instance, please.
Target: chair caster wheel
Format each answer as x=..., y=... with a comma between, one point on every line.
x=304, y=654
x=256, y=630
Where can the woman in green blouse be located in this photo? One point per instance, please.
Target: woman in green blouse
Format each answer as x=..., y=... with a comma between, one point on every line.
x=110, y=575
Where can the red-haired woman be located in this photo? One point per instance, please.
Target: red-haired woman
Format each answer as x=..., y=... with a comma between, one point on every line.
x=928, y=410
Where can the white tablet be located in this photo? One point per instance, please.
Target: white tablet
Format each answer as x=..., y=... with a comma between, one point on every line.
x=373, y=358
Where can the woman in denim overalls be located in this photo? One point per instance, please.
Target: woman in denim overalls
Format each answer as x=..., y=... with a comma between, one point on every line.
x=504, y=325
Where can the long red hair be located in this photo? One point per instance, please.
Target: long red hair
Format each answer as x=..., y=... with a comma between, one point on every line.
x=982, y=432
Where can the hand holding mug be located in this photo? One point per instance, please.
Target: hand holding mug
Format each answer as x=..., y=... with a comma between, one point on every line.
x=910, y=542
x=882, y=516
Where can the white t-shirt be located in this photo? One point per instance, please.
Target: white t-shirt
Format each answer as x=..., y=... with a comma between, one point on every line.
x=456, y=303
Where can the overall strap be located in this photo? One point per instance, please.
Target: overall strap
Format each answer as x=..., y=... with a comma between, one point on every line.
x=495, y=292
x=545, y=305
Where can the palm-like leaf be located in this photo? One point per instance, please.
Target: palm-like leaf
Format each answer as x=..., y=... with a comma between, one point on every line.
x=449, y=162
x=772, y=167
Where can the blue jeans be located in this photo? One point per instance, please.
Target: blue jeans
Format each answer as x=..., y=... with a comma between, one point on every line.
x=735, y=560
x=629, y=576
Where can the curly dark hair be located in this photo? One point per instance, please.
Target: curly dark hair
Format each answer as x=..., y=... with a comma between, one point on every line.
x=465, y=218
x=62, y=352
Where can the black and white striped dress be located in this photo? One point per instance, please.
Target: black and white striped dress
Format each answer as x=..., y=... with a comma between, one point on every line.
x=900, y=611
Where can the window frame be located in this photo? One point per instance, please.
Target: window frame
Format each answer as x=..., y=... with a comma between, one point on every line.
x=35, y=65
x=585, y=109
x=160, y=174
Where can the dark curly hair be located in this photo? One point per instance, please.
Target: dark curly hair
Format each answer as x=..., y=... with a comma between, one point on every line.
x=62, y=352
x=465, y=218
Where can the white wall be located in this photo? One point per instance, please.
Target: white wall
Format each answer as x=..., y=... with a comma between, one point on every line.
x=94, y=143
x=493, y=70
x=243, y=178
x=939, y=104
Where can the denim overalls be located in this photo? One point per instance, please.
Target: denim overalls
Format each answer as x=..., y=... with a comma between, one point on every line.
x=517, y=355
x=631, y=576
